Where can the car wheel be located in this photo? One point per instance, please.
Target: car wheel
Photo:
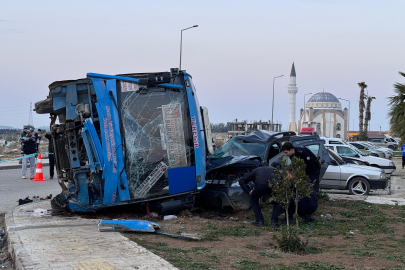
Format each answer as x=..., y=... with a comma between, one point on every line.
x=359, y=186
x=391, y=147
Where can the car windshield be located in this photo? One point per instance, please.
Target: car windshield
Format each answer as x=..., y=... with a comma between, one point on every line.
x=237, y=147
x=336, y=157
x=347, y=151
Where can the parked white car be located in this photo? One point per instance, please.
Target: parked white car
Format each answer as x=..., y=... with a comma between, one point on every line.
x=373, y=149
x=357, y=179
x=344, y=149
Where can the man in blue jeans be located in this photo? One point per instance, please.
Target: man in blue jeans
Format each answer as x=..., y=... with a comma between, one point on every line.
x=28, y=147
x=403, y=154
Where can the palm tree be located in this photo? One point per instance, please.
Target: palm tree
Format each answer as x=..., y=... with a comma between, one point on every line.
x=397, y=110
x=368, y=113
x=362, y=134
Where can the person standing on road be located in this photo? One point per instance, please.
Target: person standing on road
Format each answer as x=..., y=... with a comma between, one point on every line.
x=39, y=137
x=260, y=177
x=28, y=147
x=403, y=154
x=306, y=206
x=23, y=134
x=50, y=155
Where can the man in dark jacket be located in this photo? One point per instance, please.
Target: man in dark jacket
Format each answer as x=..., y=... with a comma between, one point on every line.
x=306, y=206
x=28, y=147
x=51, y=155
x=23, y=134
x=260, y=178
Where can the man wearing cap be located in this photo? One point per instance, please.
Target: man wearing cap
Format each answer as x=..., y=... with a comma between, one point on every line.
x=28, y=147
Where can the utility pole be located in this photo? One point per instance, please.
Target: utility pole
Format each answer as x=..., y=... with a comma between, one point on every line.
x=181, y=42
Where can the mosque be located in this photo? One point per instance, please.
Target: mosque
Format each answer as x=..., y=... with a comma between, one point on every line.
x=323, y=112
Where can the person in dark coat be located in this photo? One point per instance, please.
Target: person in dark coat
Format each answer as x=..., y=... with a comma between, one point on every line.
x=306, y=206
x=51, y=156
x=260, y=178
x=28, y=147
x=23, y=134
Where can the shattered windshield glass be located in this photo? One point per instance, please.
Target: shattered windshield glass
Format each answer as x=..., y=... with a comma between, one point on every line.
x=237, y=147
x=157, y=136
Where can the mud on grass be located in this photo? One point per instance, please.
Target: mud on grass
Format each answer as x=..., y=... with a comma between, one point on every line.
x=359, y=235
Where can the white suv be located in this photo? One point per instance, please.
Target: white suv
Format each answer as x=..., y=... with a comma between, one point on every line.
x=346, y=150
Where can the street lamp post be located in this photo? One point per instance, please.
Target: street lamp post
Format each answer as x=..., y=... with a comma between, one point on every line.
x=304, y=103
x=272, y=107
x=181, y=41
x=348, y=119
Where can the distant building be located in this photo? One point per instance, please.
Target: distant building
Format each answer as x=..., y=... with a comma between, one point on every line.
x=244, y=127
x=324, y=113
x=292, y=91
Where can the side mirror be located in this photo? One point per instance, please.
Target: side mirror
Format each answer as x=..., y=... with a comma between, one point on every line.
x=333, y=162
x=357, y=155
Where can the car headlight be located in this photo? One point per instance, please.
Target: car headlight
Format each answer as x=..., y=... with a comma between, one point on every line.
x=392, y=164
x=382, y=176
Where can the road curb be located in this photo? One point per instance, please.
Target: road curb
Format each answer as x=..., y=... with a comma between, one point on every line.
x=18, y=167
x=19, y=256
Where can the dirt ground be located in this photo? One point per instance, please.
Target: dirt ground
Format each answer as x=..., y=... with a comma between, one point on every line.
x=345, y=235
x=5, y=259
x=356, y=235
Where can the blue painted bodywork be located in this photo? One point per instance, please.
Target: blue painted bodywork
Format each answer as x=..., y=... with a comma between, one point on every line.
x=101, y=180
x=198, y=131
x=179, y=179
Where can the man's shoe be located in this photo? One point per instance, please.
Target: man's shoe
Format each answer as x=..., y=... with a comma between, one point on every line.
x=291, y=220
x=24, y=177
x=51, y=177
x=309, y=218
x=32, y=177
x=275, y=223
x=258, y=223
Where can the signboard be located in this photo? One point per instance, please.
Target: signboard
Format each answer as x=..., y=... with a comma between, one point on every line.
x=307, y=130
x=151, y=180
x=174, y=135
x=128, y=86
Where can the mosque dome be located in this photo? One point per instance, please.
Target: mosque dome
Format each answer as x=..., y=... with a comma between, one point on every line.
x=323, y=97
x=324, y=100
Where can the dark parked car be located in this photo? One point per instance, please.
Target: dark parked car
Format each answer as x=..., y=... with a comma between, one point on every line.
x=244, y=153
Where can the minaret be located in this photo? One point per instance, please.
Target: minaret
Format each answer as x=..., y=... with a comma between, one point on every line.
x=292, y=90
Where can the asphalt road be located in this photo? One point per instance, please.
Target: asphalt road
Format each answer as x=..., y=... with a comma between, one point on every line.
x=13, y=187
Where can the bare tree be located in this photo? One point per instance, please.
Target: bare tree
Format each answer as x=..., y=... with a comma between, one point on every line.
x=368, y=113
x=362, y=133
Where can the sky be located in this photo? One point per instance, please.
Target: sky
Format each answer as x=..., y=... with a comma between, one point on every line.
x=233, y=56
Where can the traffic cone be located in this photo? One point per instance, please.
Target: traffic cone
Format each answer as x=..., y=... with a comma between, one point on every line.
x=39, y=176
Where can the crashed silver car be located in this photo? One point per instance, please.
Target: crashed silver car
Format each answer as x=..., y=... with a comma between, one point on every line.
x=358, y=179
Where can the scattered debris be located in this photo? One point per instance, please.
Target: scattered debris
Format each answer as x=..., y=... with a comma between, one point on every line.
x=34, y=199
x=127, y=225
x=39, y=212
x=332, y=200
x=24, y=201
x=351, y=232
x=188, y=236
x=232, y=218
x=169, y=217
x=328, y=216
